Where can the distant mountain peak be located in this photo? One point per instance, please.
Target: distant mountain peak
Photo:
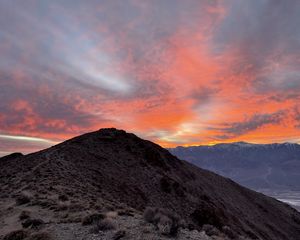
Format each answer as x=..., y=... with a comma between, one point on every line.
x=238, y=144
x=274, y=165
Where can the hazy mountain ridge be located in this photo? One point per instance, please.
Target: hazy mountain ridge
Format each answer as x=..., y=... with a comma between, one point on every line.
x=112, y=169
x=272, y=166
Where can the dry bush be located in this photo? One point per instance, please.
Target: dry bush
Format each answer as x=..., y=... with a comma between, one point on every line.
x=228, y=231
x=166, y=222
x=126, y=212
x=40, y=236
x=149, y=214
x=103, y=225
x=62, y=206
x=16, y=235
x=119, y=234
x=210, y=230
x=75, y=207
x=92, y=218
x=23, y=198
x=33, y=223
x=63, y=198
x=111, y=214
x=44, y=203
x=24, y=215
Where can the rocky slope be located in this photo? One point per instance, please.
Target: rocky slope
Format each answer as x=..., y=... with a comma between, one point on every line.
x=111, y=170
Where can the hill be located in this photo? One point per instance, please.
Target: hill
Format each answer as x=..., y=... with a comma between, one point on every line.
x=111, y=170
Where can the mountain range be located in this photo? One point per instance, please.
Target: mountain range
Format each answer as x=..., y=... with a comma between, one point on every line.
x=257, y=166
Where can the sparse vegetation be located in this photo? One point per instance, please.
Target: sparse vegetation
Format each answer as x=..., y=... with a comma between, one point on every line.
x=39, y=236
x=103, y=225
x=210, y=230
x=92, y=218
x=63, y=198
x=166, y=222
x=228, y=231
x=119, y=234
x=111, y=214
x=16, y=235
x=126, y=212
x=23, y=198
x=32, y=223
x=208, y=214
x=24, y=215
x=149, y=214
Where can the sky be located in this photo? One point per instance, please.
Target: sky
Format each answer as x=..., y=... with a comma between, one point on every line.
x=176, y=72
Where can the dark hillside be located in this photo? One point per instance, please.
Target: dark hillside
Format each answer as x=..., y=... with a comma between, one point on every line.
x=118, y=168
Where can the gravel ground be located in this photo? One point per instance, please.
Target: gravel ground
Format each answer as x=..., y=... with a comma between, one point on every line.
x=133, y=227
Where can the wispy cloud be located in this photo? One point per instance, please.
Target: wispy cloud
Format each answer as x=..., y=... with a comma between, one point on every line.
x=174, y=71
x=250, y=124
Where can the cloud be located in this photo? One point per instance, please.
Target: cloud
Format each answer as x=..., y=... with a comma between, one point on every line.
x=37, y=108
x=12, y=143
x=296, y=113
x=172, y=70
x=253, y=123
x=205, y=94
x=260, y=29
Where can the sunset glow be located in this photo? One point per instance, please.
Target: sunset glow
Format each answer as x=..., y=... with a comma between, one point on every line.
x=175, y=72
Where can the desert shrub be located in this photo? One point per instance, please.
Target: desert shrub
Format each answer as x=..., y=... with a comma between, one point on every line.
x=165, y=221
x=119, y=234
x=228, y=231
x=210, y=230
x=62, y=206
x=63, y=198
x=179, y=189
x=164, y=224
x=75, y=207
x=111, y=214
x=44, y=203
x=23, y=198
x=126, y=212
x=16, y=235
x=24, y=215
x=32, y=223
x=39, y=236
x=92, y=218
x=208, y=215
x=243, y=238
x=103, y=225
x=149, y=214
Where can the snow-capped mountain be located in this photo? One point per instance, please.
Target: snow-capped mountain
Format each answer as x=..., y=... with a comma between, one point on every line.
x=258, y=166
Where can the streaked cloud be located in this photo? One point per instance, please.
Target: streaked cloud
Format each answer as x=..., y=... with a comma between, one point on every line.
x=24, y=144
x=250, y=124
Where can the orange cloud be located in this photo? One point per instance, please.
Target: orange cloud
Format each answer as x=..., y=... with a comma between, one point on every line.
x=176, y=72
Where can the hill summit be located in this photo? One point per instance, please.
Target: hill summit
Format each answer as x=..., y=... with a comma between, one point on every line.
x=111, y=169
